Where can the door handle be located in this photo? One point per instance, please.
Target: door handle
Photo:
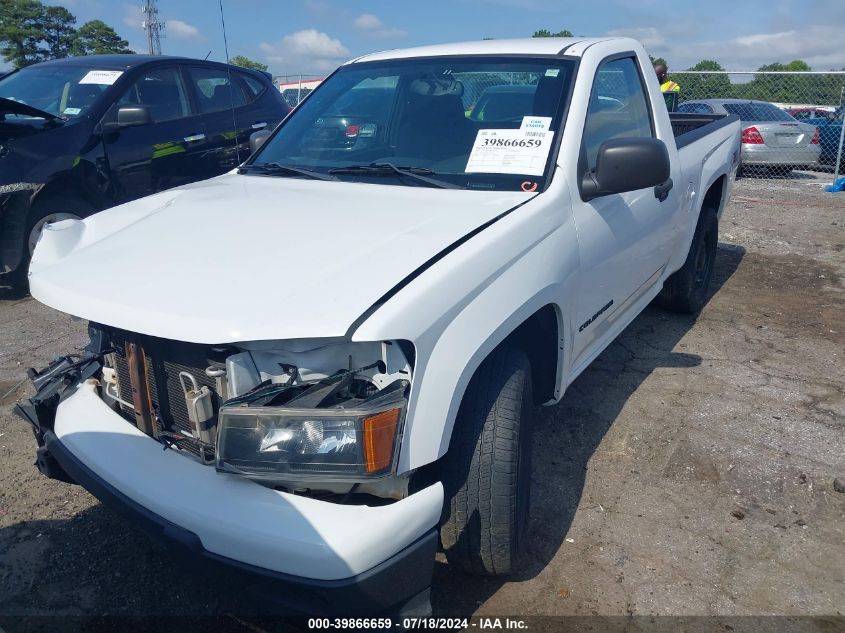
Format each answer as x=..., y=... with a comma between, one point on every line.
x=258, y=126
x=194, y=137
x=661, y=192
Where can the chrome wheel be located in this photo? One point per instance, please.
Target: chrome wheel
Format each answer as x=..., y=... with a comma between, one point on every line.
x=35, y=233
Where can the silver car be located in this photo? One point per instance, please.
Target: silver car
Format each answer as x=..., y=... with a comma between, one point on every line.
x=770, y=136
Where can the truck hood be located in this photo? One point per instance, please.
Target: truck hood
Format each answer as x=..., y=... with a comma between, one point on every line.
x=245, y=258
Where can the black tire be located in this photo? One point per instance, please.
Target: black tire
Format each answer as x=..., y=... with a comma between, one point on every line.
x=487, y=472
x=42, y=208
x=686, y=290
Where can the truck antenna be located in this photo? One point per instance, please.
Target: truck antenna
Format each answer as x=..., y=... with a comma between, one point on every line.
x=231, y=85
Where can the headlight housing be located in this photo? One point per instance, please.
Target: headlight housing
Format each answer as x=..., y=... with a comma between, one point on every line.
x=278, y=443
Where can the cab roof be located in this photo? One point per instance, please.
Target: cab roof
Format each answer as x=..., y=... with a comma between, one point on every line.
x=540, y=46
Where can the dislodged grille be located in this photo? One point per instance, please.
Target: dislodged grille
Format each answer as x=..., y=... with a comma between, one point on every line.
x=165, y=360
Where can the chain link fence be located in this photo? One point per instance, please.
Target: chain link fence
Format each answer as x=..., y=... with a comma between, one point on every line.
x=791, y=121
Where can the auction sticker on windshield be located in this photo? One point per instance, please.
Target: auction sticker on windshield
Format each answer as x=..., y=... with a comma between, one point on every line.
x=510, y=152
x=101, y=77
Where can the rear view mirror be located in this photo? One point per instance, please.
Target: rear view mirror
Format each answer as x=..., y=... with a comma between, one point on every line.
x=133, y=115
x=256, y=140
x=626, y=164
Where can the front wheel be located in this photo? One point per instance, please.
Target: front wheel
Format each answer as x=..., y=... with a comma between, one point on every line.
x=487, y=471
x=686, y=290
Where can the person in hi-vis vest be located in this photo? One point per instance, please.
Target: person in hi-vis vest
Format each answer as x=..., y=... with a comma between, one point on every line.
x=665, y=84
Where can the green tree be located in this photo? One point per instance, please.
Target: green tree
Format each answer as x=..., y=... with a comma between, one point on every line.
x=695, y=85
x=657, y=61
x=246, y=62
x=707, y=64
x=98, y=38
x=547, y=33
x=795, y=66
x=788, y=88
x=58, y=32
x=21, y=31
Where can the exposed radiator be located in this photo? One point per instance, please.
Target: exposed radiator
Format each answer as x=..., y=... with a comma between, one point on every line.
x=165, y=360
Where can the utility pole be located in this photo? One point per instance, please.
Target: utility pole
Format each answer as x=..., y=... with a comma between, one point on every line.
x=153, y=26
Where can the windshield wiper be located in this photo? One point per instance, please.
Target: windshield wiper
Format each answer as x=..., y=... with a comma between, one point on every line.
x=379, y=169
x=274, y=169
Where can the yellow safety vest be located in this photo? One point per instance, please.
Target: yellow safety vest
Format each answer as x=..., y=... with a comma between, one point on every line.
x=670, y=86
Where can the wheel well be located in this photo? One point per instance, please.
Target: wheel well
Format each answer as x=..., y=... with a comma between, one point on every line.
x=62, y=186
x=538, y=337
x=715, y=194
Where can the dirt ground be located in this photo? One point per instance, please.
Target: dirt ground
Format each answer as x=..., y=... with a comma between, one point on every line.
x=688, y=471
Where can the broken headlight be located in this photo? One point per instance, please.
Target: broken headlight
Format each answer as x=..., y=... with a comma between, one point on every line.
x=287, y=444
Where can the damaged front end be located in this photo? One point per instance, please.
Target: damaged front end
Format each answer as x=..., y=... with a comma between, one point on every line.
x=262, y=458
x=52, y=384
x=316, y=417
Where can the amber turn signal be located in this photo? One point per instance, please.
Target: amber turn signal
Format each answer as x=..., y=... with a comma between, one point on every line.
x=379, y=439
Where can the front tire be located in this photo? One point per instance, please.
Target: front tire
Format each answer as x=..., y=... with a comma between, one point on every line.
x=686, y=290
x=487, y=472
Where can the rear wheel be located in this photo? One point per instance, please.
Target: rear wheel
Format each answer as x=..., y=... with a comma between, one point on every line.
x=686, y=290
x=487, y=472
x=54, y=208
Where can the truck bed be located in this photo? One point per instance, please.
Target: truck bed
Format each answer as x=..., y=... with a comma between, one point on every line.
x=688, y=128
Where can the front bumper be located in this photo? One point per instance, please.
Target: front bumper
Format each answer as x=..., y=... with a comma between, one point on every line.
x=322, y=557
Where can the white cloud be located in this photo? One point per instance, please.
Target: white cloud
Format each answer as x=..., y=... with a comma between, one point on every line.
x=819, y=45
x=314, y=43
x=132, y=17
x=306, y=51
x=373, y=26
x=648, y=36
x=319, y=8
x=368, y=21
x=183, y=30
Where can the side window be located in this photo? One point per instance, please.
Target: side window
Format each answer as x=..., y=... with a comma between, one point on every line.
x=214, y=91
x=618, y=107
x=695, y=108
x=253, y=86
x=162, y=91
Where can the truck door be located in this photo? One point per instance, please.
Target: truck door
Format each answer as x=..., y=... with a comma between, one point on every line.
x=624, y=239
x=165, y=153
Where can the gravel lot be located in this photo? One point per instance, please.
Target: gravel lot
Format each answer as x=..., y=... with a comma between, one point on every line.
x=688, y=471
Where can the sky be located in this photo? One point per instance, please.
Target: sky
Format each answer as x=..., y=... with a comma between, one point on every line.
x=315, y=36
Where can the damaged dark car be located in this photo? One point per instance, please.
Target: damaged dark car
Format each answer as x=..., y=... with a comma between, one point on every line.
x=79, y=135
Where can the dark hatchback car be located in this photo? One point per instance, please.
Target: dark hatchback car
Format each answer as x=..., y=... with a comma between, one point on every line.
x=79, y=135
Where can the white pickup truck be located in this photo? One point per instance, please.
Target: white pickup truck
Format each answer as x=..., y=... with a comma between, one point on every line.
x=321, y=367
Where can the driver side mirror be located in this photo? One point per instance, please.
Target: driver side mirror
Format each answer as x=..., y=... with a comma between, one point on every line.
x=257, y=139
x=129, y=116
x=133, y=115
x=626, y=164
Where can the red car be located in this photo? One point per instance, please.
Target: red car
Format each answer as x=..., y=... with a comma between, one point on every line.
x=802, y=114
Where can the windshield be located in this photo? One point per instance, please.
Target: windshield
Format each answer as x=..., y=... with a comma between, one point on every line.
x=65, y=91
x=758, y=112
x=467, y=122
